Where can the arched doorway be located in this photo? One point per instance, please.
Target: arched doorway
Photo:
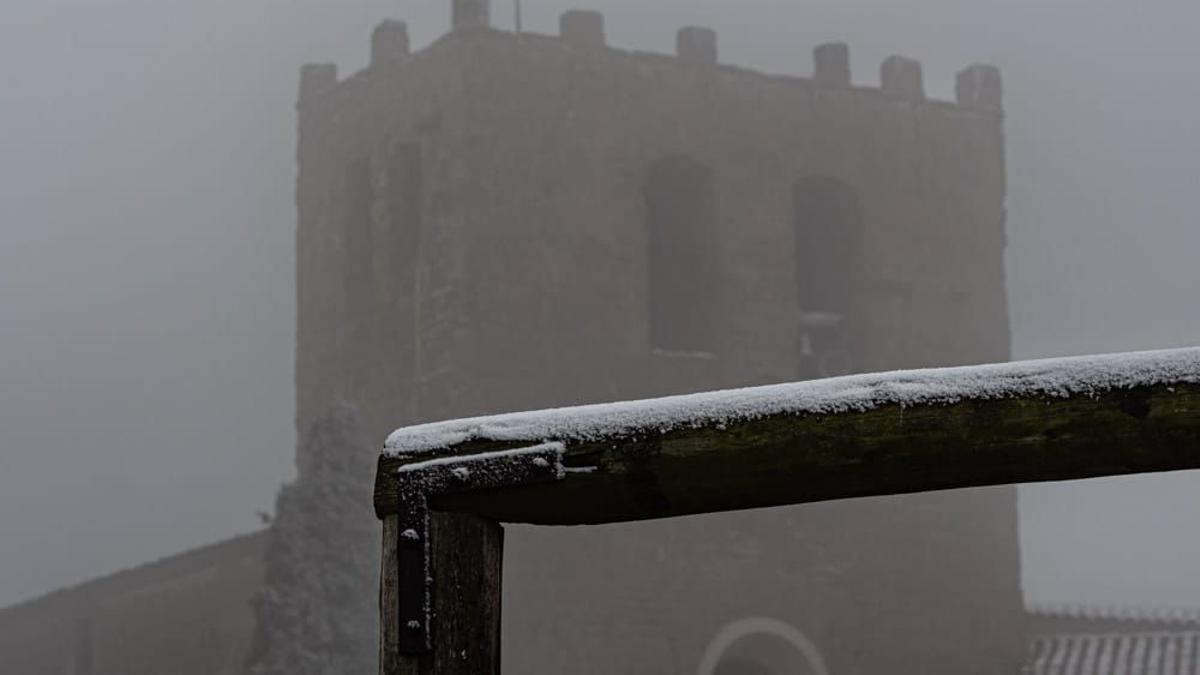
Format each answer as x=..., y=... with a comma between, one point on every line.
x=761, y=646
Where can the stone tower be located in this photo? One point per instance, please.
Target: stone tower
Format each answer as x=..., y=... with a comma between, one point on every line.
x=504, y=222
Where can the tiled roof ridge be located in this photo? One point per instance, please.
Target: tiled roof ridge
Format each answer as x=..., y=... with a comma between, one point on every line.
x=1121, y=613
x=1184, y=633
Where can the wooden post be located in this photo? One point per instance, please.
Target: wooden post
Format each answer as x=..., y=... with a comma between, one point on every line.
x=468, y=555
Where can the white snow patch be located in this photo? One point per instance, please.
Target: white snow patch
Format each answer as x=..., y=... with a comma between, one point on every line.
x=1062, y=377
x=463, y=472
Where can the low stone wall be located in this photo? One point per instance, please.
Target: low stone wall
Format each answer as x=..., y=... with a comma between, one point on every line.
x=188, y=614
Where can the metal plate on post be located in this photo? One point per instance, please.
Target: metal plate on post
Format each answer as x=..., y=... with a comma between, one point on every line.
x=421, y=481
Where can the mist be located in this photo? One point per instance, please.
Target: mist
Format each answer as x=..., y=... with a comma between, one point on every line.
x=147, y=160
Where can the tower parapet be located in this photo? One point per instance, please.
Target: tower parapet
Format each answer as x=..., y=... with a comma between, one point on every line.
x=901, y=77
x=980, y=87
x=696, y=44
x=470, y=14
x=389, y=41
x=316, y=78
x=582, y=28
x=831, y=64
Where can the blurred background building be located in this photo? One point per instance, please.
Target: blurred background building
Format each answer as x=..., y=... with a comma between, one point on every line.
x=507, y=221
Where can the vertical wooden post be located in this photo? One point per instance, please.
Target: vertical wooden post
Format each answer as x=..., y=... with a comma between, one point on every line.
x=468, y=555
x=389, y=597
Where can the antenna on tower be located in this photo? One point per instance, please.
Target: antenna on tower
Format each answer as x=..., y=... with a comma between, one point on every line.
x=517, y=13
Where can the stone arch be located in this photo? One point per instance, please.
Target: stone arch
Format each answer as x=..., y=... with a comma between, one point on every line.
x=734, y=632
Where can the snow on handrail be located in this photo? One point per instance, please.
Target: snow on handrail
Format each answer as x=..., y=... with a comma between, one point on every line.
x=1058, y=378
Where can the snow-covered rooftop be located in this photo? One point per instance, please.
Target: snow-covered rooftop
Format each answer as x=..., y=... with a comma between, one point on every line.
x=1062, y=377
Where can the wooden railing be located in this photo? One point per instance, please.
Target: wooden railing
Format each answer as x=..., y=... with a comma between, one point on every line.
x=442, y=490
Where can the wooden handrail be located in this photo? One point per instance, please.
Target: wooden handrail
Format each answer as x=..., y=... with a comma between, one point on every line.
x=442, y=489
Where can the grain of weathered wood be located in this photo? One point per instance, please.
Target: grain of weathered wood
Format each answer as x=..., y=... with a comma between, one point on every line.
x=790, y=459
x=468, y=554
x=389, y=597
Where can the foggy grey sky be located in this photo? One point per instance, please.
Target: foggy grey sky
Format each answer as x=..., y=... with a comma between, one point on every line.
x=146, y=235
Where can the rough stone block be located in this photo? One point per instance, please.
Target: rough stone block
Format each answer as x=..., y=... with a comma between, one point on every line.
x=389, y=41
x=316, y=78
x=470, y=14
x=980, y=87
x=582, y=28
x=696, y=45
x=831, y=64
x=901, y=78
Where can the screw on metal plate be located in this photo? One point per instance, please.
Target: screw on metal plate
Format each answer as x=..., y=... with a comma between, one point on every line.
x=421, y=481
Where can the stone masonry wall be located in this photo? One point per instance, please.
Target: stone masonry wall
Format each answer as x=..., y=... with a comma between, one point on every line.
x=189, y=614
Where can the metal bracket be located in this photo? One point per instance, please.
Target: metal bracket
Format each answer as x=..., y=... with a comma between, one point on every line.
x=420, y=481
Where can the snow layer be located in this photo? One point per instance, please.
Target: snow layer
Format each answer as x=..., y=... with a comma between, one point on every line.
x=458, y=460
x=1080, y=375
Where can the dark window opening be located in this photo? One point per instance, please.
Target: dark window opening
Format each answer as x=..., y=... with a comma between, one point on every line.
x=397, y=253
x=360, y=200
x=404, y=203
x=357, y=278
x=828, y=273
x=681, y=208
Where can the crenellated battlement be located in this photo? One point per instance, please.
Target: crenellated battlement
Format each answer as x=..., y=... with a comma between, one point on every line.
x=389, y=42
x=695, y=44
x=901, y=77
x=978, y=87
x=831, y=64
x=467, y=14
x=582, y=28
x=316, y=79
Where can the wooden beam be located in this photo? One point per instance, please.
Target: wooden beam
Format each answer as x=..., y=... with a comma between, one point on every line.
x=848, y=437
x=790, y=458
x=468, y=553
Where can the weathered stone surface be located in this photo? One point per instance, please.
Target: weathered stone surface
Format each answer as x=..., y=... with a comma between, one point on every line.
x=901, y=77
x=389, y=41
x=316, y=78
x=831, y=64
x=470, y=14
x=696, y=45
x=144, y=620
x=582, y=28
x=980, y=87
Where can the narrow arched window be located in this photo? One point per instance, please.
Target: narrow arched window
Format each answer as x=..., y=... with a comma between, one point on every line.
x=681, y=227
x=404, y=203
x=828, y=273
x=357, y=237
